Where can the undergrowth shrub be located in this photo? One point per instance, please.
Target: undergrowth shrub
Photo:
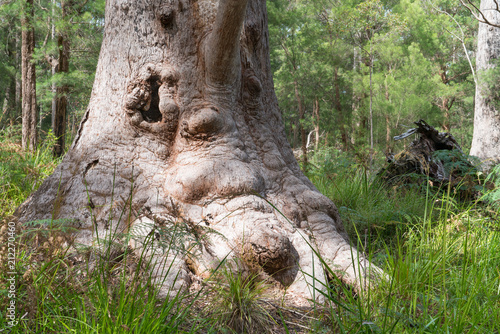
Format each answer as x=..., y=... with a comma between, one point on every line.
x=22, y=172
x=368, y=207
x=493, y=197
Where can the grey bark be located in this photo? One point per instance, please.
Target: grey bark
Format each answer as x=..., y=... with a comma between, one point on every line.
x=174, y=134
x=486, y=136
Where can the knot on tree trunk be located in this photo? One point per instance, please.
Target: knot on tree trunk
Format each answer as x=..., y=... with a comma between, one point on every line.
x=274, y=253
x=203, y=122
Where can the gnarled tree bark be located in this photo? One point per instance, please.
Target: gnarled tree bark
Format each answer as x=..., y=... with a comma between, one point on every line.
x=183, y=121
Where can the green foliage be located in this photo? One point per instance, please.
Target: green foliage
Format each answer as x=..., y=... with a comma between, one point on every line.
x=492, y=196
x=324, y=50
x=442, y=276
x=61, y=293
x=22, y=172
x=440, y=257
x=82, y=27
x=365, y=204
x=490, y=83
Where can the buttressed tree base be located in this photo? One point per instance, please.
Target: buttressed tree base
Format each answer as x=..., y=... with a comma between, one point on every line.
x=183, y=121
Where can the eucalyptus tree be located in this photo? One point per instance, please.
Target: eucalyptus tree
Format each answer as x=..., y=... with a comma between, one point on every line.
x=372, y=23
x=294, y=40
x=9, y=63
x=486, y=137
x=183, y=129
x=29, y=106
x=69, y=29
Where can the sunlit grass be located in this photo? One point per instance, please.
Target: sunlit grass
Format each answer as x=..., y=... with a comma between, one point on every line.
x=22, y=172
x=444, y=273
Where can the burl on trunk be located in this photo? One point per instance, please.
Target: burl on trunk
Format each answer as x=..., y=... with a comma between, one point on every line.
x=183, y=122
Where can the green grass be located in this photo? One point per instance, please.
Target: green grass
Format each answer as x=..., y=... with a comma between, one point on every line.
x=443, y=278
x=111, y=297
x=441, y=256
x=21, y=172
x=238, y=301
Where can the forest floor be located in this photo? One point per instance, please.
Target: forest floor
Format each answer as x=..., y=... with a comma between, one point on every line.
x=441, y=253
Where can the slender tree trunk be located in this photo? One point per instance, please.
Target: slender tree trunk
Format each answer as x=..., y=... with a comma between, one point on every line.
x=59, y=114
x=388, y=139
x=486, y=136
x=9, y=103
x=302, y=130
x=371, y=106
x=183, y=128
x=18, y=109
x=29, y=111
x=355, y=98
x=59, y=102
x=344, y=137
x=316, y=123
x=9, y=107
x=5, y=105
x=53, y=71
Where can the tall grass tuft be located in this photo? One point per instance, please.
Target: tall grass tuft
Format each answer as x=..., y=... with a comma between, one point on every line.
x=238, y=301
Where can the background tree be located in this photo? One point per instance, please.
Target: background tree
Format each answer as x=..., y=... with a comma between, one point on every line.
x=183, y=123
x=82, y=27
x=419, y=69
x=73, y=35
x=487, y=110
x=371, y=23
x=29, y=106
x=10, y=73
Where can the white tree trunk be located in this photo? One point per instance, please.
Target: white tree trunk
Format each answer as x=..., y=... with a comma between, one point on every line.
x=486, y=136
x=183, y=124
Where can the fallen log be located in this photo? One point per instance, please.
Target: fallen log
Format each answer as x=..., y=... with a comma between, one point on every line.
x=435, y=157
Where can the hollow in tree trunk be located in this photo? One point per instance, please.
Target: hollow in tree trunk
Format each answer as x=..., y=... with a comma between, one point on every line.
x=183, y=121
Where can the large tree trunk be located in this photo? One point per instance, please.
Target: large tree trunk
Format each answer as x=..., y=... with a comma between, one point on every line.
x=183, y=125
x=486, y=136
x=28, y=91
